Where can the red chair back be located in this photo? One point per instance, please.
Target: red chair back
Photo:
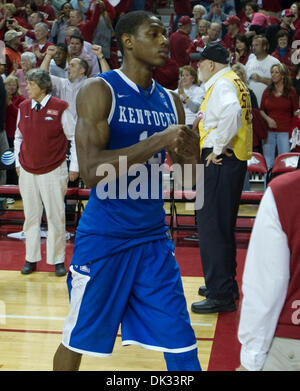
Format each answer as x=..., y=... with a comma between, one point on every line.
x=286, y=162
x=257, y=163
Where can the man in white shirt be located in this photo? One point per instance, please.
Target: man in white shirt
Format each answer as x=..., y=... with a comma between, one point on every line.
x=67, y=89
x=269, y=338
x=222, y=121
x=87, y=46
x=258, y=66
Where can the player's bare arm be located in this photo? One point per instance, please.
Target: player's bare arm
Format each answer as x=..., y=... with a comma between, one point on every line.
x=92, y=135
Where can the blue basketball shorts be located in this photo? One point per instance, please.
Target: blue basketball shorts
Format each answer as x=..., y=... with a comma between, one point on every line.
x=139, y=289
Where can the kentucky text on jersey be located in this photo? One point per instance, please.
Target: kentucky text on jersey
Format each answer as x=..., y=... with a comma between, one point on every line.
x=145, y=117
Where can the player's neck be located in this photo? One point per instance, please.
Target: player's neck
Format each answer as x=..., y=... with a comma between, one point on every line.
x=142, y=76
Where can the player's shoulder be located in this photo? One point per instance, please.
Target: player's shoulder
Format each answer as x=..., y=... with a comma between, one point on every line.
x=94, y=87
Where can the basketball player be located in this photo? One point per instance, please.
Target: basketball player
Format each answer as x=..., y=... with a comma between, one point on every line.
x=123, y=268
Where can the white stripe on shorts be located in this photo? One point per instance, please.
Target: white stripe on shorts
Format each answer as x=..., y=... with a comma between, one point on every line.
x=86, y=351
x=79, y=282
x=159, y=348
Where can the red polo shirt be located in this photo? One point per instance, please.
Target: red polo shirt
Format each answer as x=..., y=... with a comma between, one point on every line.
x=179, y=44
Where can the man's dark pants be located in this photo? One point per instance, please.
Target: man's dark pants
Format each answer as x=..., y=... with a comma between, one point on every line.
x=216, y=224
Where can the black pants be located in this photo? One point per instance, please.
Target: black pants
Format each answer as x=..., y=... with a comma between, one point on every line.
x=216, y=224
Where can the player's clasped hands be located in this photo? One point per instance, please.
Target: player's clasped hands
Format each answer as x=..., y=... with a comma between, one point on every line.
x=183, y=141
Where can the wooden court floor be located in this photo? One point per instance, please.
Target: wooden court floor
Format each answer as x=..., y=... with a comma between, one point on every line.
x=32, y=312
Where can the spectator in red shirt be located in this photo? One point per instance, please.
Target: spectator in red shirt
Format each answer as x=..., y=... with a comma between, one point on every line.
x=198, y=43
x=167, y=75
x=241, y=49
x=41, y=44
x=233, y=24
x=13, y=99
x=285, y=24
x=283, y=51
x=88, y=27
x=46, y=9
x=278, y=105
x=295, y=8
x=7, y=14
x=245, y=14
x=105, y=5
x=24, y=15
x=180, y=42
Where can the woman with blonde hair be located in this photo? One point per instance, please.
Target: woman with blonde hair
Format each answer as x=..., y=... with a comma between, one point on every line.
x=13, y=99
x=278, y=106
x=240, y=70
x=191, y=95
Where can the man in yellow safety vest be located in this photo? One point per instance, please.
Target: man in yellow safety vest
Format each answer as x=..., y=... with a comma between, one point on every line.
x=225, y=126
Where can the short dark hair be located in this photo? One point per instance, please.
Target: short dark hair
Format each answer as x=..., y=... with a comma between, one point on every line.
x=66, y=2
x=77, y=36
x=63, y=47
x=129, y=24
x=242, y=38
x=32, y=5
x=253, y=5
x=281, y=34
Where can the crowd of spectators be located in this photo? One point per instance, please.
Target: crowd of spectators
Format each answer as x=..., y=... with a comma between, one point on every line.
x=258, y=34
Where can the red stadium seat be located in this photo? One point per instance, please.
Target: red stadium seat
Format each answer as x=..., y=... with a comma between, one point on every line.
x=286, y=162
x=256, y=164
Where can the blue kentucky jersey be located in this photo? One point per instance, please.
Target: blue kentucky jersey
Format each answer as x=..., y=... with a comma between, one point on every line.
x=128, y=210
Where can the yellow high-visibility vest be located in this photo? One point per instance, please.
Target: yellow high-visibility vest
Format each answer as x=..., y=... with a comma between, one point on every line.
x=242, y=142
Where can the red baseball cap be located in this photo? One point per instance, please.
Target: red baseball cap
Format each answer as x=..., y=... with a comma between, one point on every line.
x=184, y=20
x=287, y=12
x=233, y=19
